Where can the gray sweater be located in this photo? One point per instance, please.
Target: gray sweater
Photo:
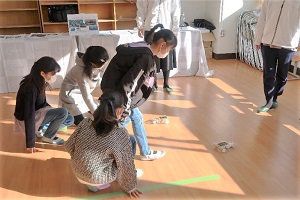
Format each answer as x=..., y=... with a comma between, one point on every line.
x=100, y=159
x=75, y=92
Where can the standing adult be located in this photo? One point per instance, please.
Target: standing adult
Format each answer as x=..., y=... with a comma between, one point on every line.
x=167, y=13
x=277, y=34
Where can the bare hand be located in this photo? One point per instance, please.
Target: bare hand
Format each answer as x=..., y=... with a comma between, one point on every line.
x=141, y=33
x=257, y=47
x=31, y=150
x=135, y=194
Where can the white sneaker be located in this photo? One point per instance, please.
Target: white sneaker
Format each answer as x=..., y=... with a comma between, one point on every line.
x=40, y=133
x=53, y=140
x=154, y=155
x=139, y=173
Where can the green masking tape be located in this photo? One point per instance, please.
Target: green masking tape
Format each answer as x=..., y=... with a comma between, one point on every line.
x=154, y=187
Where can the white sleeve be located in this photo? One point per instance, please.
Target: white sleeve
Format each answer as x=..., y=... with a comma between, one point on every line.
x=175, y=15
x=261, y=24
x=142, y=10
x=86, y=92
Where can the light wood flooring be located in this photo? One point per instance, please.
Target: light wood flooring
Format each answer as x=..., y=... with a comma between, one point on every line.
x=265, y=163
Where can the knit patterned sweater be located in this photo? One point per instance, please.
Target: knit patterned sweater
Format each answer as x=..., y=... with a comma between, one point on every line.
x=100, y=159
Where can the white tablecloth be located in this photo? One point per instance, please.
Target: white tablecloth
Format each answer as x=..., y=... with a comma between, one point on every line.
x=17, y=56
x=189, y=51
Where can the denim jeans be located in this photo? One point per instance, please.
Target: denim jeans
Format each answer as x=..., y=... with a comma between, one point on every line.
x=133, y=144
x=55, y=119
x=139, y=131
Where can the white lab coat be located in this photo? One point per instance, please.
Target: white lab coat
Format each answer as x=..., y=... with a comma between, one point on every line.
x=287, y=33
x=152, y=12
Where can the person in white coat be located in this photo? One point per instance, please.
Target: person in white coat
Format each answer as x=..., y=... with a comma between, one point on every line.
x=77, y=86
x=277, y=35
x=167, y=13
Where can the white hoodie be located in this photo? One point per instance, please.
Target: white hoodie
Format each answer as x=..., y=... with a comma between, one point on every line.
x=152, y=12
x=287, y=21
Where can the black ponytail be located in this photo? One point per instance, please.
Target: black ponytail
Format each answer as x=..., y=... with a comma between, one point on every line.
x=105, y=118
x=168, y=36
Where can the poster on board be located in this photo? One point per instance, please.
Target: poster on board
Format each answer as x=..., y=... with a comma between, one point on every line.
x=83, y=24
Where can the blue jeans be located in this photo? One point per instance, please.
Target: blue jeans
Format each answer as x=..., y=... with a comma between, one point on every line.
x=133, y=144
x=55, y=119
x=139, y=131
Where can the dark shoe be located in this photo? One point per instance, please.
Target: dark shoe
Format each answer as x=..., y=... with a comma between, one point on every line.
x=167, y=89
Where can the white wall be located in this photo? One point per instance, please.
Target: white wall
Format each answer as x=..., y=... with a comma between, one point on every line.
x=213, y=12
x=193, y=9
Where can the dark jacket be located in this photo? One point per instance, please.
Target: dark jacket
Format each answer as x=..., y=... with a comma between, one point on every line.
x=129, y=72
x=29, y=100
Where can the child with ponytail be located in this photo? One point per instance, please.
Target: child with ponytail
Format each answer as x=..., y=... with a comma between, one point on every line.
x=102, y=151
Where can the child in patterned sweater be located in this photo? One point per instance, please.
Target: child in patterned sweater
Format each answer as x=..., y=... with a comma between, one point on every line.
x=102, y=151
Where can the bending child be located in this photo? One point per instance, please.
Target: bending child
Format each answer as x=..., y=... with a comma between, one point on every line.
x=131, y=72
x=101, y=149
x=80, y=82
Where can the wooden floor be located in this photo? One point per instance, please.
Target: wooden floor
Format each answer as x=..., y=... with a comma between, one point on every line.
x=265, y=164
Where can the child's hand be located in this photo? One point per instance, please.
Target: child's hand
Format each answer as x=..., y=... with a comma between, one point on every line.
x=31, y=150
x=135, y=194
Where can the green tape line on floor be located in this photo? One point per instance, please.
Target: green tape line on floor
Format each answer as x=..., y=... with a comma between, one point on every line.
x=155, y=187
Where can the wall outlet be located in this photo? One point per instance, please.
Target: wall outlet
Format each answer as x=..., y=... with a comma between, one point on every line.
x=222, y=33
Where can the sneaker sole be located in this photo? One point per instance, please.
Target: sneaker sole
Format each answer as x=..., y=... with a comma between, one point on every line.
x=147, y=159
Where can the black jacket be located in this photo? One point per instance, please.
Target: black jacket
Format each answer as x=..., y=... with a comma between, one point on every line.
x=129, y=72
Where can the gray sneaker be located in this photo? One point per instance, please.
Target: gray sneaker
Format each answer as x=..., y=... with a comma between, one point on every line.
x=53, y=140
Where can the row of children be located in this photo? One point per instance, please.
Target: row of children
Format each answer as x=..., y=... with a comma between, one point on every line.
x=101, y=149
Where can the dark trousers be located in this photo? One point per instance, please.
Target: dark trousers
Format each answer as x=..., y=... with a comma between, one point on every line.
x=276, y=65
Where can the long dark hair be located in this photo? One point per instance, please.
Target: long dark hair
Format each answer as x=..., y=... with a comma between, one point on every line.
x=94, y=54
x=105, y=118
x=168, y=36
x=46, y=64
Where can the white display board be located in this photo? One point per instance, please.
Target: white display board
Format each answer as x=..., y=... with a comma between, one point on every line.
x=83, y=24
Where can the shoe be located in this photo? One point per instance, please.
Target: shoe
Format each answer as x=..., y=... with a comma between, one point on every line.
x=154, y=89
x=210, y=73
x=40, y=133
x=97, y=188
x=139, y=173
x=263, y=109
x=275, y=105
x=167, y=89
x=154, y=155
x=63, y=129
x=53, y=140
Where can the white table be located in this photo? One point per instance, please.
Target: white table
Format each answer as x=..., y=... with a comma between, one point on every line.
x=17, y=56
x=189, y=51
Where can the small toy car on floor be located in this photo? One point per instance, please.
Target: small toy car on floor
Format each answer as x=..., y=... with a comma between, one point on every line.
x=223, y=145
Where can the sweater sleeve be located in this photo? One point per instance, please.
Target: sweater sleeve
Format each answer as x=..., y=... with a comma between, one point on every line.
x=86, y=91
x=126, y=175
x=142, y=6
x=70, y=143
x=261, y=24
x=29, y=116
x=175, y=16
